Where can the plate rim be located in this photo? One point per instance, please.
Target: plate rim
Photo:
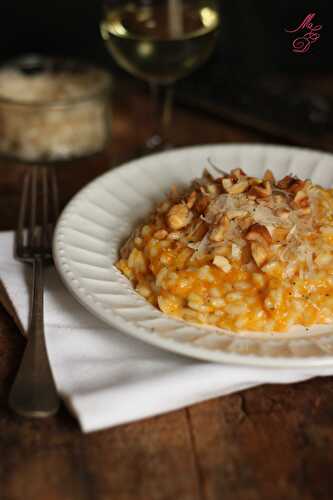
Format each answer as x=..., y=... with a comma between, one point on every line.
x=168, y=344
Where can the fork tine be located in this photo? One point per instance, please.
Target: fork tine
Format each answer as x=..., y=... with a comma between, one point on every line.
x=32, y=221
x=22, y=214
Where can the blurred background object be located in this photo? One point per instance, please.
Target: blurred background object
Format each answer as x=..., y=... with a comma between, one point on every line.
x=252, y=39
x=53, y=109
x=253, y=78
x=160, y=42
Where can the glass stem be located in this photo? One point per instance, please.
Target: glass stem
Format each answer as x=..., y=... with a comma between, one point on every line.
x=161, y=106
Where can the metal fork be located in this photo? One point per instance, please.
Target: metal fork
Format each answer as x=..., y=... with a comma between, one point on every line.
x=33, y=393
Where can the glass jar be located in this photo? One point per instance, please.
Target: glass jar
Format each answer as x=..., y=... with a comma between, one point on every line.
x=53, y=110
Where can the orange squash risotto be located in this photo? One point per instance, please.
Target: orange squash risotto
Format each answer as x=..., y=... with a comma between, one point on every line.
x=238, y=252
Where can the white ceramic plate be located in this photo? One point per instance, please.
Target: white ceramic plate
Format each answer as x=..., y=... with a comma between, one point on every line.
x=99, y=218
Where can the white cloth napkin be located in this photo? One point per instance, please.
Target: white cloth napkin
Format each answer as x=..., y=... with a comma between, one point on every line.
x=108, y=378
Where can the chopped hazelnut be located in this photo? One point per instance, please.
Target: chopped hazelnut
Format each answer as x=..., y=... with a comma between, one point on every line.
x=227, y=183
x=245, y=223
x=199, y=232
x=259, y=253
x=259, y=233
x=221, y=250
x=279, y=234
x=161, y=234
x=222, y=263
x=175, y=235
x=261, y=190
x=268, y=176
x=235, y=188
x=286, y=182
x=217, y=233
x=296, y=186
x=213, y=189
x=201, y=203
x=178, y=216
x=191, y=199
x=301, y=199
x=237, y=173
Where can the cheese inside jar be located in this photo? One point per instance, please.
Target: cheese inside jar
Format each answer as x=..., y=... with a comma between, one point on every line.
x=53, y=109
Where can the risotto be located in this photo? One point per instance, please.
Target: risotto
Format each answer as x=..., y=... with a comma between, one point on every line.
x=238, y=252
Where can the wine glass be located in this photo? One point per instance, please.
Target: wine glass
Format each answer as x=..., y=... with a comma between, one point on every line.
x=160, y=41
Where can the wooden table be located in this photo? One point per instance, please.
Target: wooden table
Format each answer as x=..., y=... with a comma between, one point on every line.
x=267, y=443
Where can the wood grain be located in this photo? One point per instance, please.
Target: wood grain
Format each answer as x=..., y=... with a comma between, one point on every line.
x=270, y=442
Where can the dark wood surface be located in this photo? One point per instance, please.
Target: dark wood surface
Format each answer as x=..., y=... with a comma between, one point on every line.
x=267, y=443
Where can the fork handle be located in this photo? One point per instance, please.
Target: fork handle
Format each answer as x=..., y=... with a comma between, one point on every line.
x=34, y=393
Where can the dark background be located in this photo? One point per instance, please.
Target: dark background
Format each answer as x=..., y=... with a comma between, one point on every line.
x=253, y=79
x=252, y=37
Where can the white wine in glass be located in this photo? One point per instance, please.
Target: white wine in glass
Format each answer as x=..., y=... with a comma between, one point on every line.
x=161, y=41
